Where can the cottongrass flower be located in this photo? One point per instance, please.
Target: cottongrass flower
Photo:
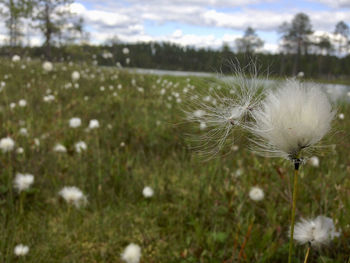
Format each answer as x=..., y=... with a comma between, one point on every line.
x=317, y=232
x=60, y=148
x=47, y=66
x=21, y=250
x=74, y=122
x=94, y=124
x=16, y=58
x=7, y=144
x=23, y=131
x=147, y=192
x=291, y=121
x=341, y=116
x=75, y=76
x=73, y=195
x=256, y=194
x=314, y=161
x=20, y=150
x=131, y=254
x=22, y=103
x=22, y=182
x=80, y=146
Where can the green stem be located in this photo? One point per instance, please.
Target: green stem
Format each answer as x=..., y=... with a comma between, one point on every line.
x=295, y=188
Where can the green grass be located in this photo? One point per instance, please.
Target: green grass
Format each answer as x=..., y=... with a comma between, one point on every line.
x=200, y=211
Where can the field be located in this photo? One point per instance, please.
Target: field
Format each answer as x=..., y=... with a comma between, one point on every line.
x=200, y=210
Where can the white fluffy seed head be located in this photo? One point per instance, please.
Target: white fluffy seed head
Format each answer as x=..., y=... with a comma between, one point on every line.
x=93, y=124
x=314, y=161
x=291, y=120
x=16, y=58
x=47, y=66
x=75, y=76
x=256, y=194
x=317, y=232
x=74, y=122
x=21, y=250
x=147, y=192
x=73, y=195
x=60, y=148
x=131, y=254
x=22, y=182
x=80, y=147
x=7, y=144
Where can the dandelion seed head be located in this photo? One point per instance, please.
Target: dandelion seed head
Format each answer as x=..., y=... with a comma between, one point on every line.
x=7, y=144
x=131, y=254
x=47, y=66
x=75, y=75
x=74, y=122
x=16, y=58
x=147, y=192
x=256, y=194
x=60, y=148
x=73, y=195
x=314, y=161
x=94, y=124
x=21, y=250
x=23, y=181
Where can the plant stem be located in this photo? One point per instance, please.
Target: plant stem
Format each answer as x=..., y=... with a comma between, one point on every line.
x=295, y=188
x=307, y=254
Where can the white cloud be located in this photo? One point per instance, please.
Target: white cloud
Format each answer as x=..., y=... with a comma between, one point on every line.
x=335, y=3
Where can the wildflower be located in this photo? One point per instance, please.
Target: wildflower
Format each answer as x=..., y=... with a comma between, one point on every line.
x=74, y=122
x=47, y=66
x=300, y=74
x=317, y=232
x=60, y=148
x=341, y=116
x=314, y=161
x=93, y=124
x=256, y=194
x=36, y=142
x=22, y=103
x=49, y=98
x=131, y=254
x=20, y=150
x=23, y=131
x=291, y=120
x=21, y=250
x=147, y=192
x=75, y=76
x=7, y=144
x=73, y=195
x=23, y=181
x=16, y=58
x=80, y=147
x=125, y=51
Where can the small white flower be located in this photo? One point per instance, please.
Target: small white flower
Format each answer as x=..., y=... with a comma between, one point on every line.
x=7, y=144
x=75, y=76
x=73, y=195
x=47, y=66
x=341, y=116
x=74, y=122
x=23, y=181
x=93, y=124
x=12, y=105
x=23, y=131
x=147, y=192
x=22, y=103
x=317, y=232
x=16, y=58
x=314, y=161
x=131, y=254
x=21, y=250
x=36, y=142
x=125, y=51
x=80, y=147
x=122, y=144
x=300, y=74
x=20, y=150
x=60, y=148
x=49, y=98
x=202, y=125
x=256, y=194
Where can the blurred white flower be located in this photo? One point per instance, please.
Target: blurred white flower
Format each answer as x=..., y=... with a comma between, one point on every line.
x=7, y=144
x=93, y=124
x=23, y=181
x=60, y=148
x=125, y=51
x=131, y=254
x=300, y=74
x=20, y=150
x=73, y=195
x=47, y=66
x=256, y=194
x=291, y=119
x=12, y=105
x=147, y=192
x=22, y=103
x=23, y=131
x=80, y=147
x=317, y=232
x=21, y=250
x=74, y=122
x=16, y=58
x=36, y=142
x=75, y=76
x=314, y=161
x=341, y=116
x=49, y=98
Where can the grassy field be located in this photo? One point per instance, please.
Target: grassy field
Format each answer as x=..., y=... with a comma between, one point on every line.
x=200, y=210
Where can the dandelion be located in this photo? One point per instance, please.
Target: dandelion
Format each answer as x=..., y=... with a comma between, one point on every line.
x=21, y=250
x=60, y=148
x=23, y=181
x=73, y=195
x=47, y=66
x=74, y=122
x=22, y=103
x=147, y=192
x=80, y=147
x=256, y=194
x=16, y=58
x=7, y=144
x=94, y=124
x=131, y=254
x=314, y=161
x=317, y=232
x=75, y=76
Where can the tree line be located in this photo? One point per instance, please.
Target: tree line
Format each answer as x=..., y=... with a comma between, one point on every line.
x=64, y=37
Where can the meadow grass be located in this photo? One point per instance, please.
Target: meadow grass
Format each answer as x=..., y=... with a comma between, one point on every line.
x=200, y=211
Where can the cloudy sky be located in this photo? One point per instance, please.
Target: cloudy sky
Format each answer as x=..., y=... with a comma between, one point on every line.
x=202, y=23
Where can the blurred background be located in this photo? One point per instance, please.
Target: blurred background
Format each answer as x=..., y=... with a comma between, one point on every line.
x=305, y=37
